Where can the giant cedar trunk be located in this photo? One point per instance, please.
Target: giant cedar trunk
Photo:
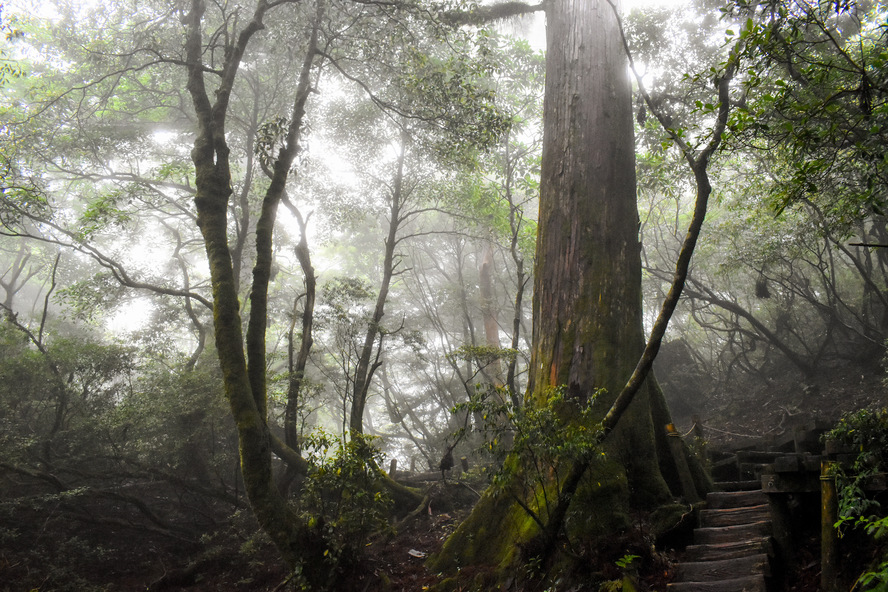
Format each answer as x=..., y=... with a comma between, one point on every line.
x=588, y=332
x=587, y=291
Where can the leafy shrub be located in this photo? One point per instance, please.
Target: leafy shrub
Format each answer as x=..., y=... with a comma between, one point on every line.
x=542, y=442
x=866, y=433
x=342, y=496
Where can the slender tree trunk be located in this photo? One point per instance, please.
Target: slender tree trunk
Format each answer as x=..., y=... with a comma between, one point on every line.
x=245, y=389
x=515, y=221
x=489, y=311
x=12, y=281
x=297, y=361
x=367, y=366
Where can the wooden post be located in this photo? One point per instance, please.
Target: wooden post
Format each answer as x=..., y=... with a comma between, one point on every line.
x=698, y=427
x=700, y=448
x=393, y=468
x=829, y=539
x=798, y=438
x=676, y=445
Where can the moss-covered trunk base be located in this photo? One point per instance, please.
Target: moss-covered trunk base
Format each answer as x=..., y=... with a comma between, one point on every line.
x=500, y=540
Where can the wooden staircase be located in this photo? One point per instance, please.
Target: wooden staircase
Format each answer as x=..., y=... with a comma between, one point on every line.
x=732, y=548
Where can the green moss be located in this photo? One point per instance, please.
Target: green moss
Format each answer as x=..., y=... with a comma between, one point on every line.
x=632, y=445
x=491, y=535
x=666, y=517
x=494, y=536
x=600, y=505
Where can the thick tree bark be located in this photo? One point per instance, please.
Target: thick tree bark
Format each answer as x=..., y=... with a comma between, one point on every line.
x=587, y=331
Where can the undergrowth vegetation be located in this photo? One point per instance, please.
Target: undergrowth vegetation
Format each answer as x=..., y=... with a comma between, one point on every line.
x=535, y=446
x=342, y=495
x=864, y=434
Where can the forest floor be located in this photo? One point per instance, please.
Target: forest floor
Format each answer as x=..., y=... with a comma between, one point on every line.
x=91, y=555
x=391, y=562
x=755, y=409
x=771, y=407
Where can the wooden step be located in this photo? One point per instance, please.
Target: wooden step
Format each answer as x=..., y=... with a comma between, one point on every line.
x=758, y=456
x=754, y=583
x=717, y=500
x=752, y=471
x=734, y=516
x=749, y=485
x=723, y=569
x=730, y=534
x=731, y=550
x=725, y=462
x=733, y=544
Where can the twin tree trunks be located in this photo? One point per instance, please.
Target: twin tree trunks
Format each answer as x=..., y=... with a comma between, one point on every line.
x=587, y=330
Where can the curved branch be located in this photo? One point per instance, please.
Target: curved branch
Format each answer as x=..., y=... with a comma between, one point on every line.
x=117, y=270
x=708, y=296
x=699, y=164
